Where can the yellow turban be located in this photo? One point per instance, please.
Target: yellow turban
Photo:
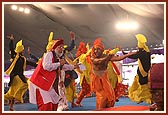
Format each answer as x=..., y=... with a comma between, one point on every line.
x=19, y=47
x=142, y=42
x=50, y=42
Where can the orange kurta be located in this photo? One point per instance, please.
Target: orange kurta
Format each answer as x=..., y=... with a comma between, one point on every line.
x=105, y=96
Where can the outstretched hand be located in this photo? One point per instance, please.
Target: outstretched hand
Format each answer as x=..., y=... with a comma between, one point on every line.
x=132, y=53
x=123, y=51
x=11, y=37
x=72, y=35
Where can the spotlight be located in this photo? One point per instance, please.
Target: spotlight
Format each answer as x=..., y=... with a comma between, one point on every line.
x=127, y=25
x=14, y=7
x=21, y=9
x=27, y=11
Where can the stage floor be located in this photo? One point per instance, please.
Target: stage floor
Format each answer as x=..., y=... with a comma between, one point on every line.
x=89, y=104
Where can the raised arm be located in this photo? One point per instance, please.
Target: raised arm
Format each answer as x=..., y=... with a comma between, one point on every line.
x=11, y=46
x=72, y=44
x=31, y=55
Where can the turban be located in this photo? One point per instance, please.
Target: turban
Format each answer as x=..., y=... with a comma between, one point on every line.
x=142, y=42
x=98, y=43
x=81, y=49
x=57, y=43
x=50, y=41
x=19, y=47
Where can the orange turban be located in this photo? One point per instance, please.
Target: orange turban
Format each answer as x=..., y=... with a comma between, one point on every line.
x=98, y=43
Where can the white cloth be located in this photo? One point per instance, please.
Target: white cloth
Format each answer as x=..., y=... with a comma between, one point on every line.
x=47, y=96
x=50, y=66
x=81, y=66
x=63, y=103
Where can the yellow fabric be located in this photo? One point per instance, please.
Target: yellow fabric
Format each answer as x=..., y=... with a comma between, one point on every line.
x=65, y=46
x=87, y=46
x=86, y=73
x=89, y=52
x=142, y=42
x=113, y=51
x=113, y=78
x=119, y=78
x=50, y=41
x=38, y=60
x=9, y=70
x=19, y=47
x=143, y=72
x=16, y=90
x=138, y=93
x=50, y=36
x=70, y=91
x=49, y=45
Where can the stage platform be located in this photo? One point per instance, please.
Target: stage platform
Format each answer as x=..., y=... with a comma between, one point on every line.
x=89, y=104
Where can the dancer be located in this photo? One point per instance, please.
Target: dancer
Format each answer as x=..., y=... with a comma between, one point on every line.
x=82, y=55
x=44, y=81
x=139, y=90
x=100, y=84
x=70, y=84
x=18, y=82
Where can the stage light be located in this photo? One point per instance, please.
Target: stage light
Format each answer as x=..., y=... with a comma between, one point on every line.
x=127, y=25
x=14, y=7
x=21, y=9
x=133, y=25
x=27, y=11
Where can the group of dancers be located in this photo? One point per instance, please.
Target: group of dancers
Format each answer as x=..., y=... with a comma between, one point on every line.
x=52, y=84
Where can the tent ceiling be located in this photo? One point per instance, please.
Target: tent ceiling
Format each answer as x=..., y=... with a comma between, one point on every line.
x=87, y=21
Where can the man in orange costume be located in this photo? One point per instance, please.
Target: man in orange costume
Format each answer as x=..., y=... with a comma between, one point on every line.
x=105, y=96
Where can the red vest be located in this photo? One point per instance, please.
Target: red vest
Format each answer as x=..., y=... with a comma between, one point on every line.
x=43, y=78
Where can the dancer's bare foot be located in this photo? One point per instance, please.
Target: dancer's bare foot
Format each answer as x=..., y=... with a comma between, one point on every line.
x=76, y=105
x=79, y=105
x=73, y=105
x=11, y=109
x=153, y=107
x=11, y=103
x=65, y=109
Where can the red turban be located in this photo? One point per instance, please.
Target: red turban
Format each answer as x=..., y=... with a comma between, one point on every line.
x=81, y=49
x=98, y=43
x=57, y=43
